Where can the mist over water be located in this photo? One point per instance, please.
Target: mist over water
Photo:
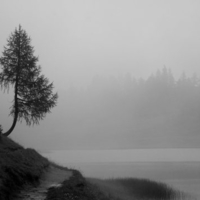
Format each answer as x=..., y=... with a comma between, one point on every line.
x=166, y=163
x=127, y=76
x=180, y=168
x=114, y=49
x=121, y=113
x=129, y=155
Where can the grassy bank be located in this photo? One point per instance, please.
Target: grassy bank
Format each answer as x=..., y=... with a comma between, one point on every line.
x=79, y=188
x=129, y=188
x=76, y=188
x=18, y=166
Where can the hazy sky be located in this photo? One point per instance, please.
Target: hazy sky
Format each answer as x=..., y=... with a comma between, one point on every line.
x=77, y=39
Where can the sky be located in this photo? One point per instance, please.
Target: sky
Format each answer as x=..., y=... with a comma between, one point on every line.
x=78, y=39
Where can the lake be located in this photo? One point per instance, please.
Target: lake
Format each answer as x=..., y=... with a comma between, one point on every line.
x=179, y=168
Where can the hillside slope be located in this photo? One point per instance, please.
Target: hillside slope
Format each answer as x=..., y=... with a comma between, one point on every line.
x=22, y=168
x=18, y=166
x=25, y=170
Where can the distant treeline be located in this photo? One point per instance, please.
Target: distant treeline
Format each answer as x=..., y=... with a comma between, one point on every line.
x=129, y=106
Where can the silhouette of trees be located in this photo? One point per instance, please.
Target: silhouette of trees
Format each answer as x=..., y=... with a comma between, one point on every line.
x=160, y=104
x=33, y=96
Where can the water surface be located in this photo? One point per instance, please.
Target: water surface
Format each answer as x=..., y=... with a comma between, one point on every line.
x=179, y=168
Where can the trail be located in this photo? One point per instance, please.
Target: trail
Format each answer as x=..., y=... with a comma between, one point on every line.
x=52, y=178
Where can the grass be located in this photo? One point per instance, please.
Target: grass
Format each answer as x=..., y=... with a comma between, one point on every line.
x=18, y=166
x=76, y=188
x=138, y=189
x=143, y=188
x=79, y=188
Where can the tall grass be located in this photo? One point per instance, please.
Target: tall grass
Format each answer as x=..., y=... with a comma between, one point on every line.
x=19, y=166
x=143, y=188
x=138, y=189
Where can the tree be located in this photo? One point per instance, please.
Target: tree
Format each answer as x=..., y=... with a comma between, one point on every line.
x=33, y=96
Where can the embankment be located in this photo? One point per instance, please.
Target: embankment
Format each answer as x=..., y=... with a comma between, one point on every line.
x=18, y=167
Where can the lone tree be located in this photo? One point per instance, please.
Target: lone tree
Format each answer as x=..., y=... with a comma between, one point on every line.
x=33, y=96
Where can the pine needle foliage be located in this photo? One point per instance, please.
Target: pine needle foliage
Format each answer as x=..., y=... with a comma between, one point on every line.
x=33, y=95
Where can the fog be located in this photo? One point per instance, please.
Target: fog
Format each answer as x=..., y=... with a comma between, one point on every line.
x=103, y=58
x=118, y=113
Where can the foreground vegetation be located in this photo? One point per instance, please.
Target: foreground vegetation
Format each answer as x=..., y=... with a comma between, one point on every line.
x=20, y=166
x=129, y=188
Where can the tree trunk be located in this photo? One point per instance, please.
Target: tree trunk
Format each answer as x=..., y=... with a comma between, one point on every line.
x=12, y=127
x=16, y=110
x=16, y=113
x=16, y=92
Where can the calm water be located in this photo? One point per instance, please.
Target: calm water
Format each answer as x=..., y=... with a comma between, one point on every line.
x=179, y=168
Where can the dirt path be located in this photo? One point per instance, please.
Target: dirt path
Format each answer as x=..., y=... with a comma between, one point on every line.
x=52, y=178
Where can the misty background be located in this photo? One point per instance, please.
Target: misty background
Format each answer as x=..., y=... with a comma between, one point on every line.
x=127, y=72
x=121, y=112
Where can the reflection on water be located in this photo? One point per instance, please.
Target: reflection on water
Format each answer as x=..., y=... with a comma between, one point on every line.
x=179, y=168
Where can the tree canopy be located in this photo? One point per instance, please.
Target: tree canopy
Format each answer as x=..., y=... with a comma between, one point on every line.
x=33, y=95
